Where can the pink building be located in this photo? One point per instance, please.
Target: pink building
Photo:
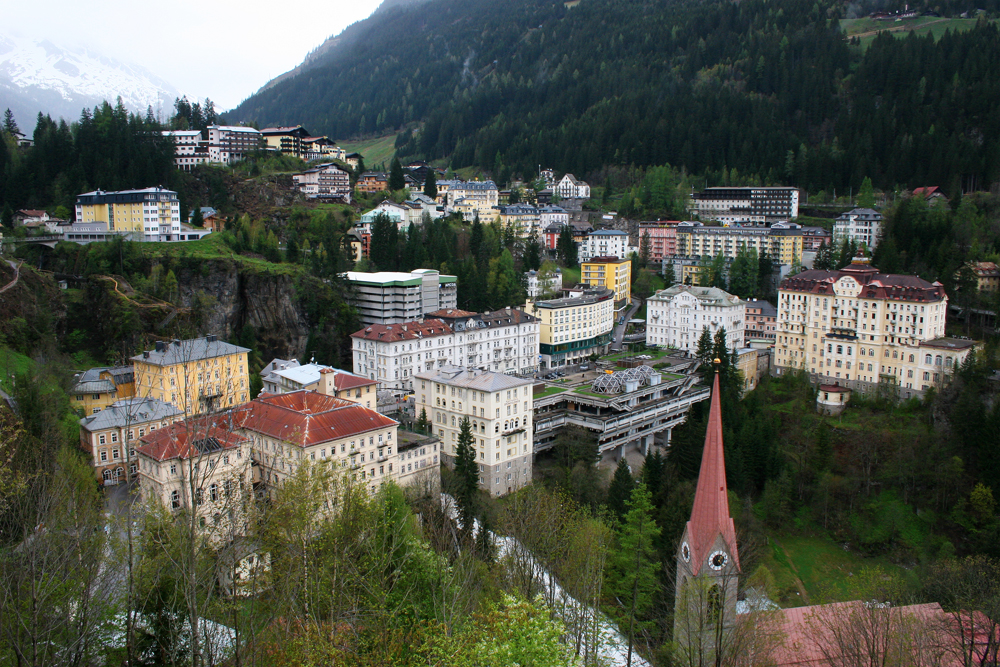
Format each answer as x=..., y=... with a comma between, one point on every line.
x=662, y=238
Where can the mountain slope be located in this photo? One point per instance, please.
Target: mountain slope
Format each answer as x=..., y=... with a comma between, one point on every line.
x=40, y=76
x=769, y=88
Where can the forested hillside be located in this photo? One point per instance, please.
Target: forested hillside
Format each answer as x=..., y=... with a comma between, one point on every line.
x=772, y=89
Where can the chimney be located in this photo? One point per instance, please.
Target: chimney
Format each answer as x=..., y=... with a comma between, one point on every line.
x=160, y=346
x=211, y=338
x=145, y=354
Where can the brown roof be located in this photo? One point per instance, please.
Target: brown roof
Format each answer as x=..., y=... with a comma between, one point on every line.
x=344, y=380
x=834, y=388
x=31, y=212
x=985, y=269
x=306, y=418
x=710, y=512
x=452, y=312
x=949, y=343
x=190, y=438
x=405, y=331
x=876, y=285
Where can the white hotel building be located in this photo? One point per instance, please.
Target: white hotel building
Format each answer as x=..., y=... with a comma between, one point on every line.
x=504, y=341
x=499, y=409
x=677, y=316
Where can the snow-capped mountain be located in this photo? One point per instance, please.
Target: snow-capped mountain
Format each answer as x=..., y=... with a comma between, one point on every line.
x=40, y=76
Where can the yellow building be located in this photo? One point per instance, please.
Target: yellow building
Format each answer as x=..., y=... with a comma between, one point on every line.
x=287, y=140
x=348, y=386
x=610, y=272
x=197, y=375
x=574, y=327
x=151, y=214
x=782, y=242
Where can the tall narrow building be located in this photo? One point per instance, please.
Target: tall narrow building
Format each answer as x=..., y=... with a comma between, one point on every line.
x=708, y=562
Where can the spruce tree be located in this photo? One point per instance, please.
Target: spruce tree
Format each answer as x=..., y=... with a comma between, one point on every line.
x=866, y=195
x=422, y=422
x=9, y=124
x=430, y=184
x=620, y=490
x=466, y=476
x=633, y=569
x=397, y=181
x=704, y=349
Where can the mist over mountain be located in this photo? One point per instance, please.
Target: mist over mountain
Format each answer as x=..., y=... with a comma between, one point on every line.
x=39, y=76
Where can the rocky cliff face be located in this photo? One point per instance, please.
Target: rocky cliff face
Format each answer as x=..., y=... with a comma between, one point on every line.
x=238, y=297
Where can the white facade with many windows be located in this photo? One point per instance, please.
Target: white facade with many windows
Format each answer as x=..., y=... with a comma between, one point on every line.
x=862, y=225
x=605, y=243
x=677, y=316
x=499, y=410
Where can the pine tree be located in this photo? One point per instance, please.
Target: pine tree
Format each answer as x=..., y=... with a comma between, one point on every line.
x=9, y=124
x=7, y=217
x=866, y=195
x=566, y=247
x=397, y=181
x=197, y=219
x=620, y=490
x=704, y=350
x=422, y=422
x=430, y=184
x=633, y=577
x=645, y=249
x=466, y=476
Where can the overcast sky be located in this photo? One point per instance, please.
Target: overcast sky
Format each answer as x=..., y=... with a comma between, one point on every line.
x=222, y=49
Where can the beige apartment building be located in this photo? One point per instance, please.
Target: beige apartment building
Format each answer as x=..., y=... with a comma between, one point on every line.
x=859, y=327
x=110, y=436
x=201, y=465
x=499, y=408
x=286, y=430
x=198, y=375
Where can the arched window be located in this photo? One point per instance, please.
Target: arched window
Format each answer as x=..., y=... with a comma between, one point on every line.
x=869, y=367
x=895, y=354
x=714, y=603
x=107, y=475
x=887, y=354
x=911, y=358
x=947, y=362
x=927, y=359
x=862, y=352
x=937, y=360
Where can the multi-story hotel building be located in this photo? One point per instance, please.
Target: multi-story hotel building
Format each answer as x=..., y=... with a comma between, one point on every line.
x=394, y=298
x=201, y=465
x=504, y=341
x=109, y=437
x=782, y=242
x=286, y=430
x=472, y=198
x=611, y=272
x=286, y=140
x=325, y=181
x=605, y=243
x=552, y=215
x=746, y=206
x=662, y=238
x=859, y=327
x=499, y=409
x=321, y=148
x=522, y=217
x=197, y=375
x=574, y=327
x=226, y=144
x=569, y=187
x=862, y=226
x=677, y=316
x=762, y=320
x=151, y=214
x=372, y=181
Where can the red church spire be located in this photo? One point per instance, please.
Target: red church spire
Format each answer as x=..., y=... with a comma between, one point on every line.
x=710, y=514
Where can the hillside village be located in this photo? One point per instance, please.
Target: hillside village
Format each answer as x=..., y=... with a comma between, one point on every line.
x=454, y=386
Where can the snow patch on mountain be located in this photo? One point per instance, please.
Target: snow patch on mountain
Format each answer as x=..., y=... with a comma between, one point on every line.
x=37, y=75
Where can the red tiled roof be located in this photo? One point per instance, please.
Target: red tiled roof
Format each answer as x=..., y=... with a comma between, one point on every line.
x=808, y=630
x=31, y=212
x=710, y=513
x=189, y=438
x=343, y=380
x=306, y=418
x=927, y=192
x=407, y=331
x=876, y=285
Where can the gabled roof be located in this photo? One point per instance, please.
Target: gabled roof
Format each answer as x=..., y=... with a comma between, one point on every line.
x=388, y=333
x=346, y=380
x=306, y=418
x=928, y=192
x=710, y=513
x=190, y=438
x=130, y=411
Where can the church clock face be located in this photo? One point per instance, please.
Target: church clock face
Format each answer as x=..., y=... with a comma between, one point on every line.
x=718, y=560
x=686, y=552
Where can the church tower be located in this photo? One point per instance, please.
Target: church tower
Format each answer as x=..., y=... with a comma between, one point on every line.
x=708, y=562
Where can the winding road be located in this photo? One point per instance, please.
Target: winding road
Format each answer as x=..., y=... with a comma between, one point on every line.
x=17, y=275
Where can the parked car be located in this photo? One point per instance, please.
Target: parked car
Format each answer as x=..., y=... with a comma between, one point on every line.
x=585, y=367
